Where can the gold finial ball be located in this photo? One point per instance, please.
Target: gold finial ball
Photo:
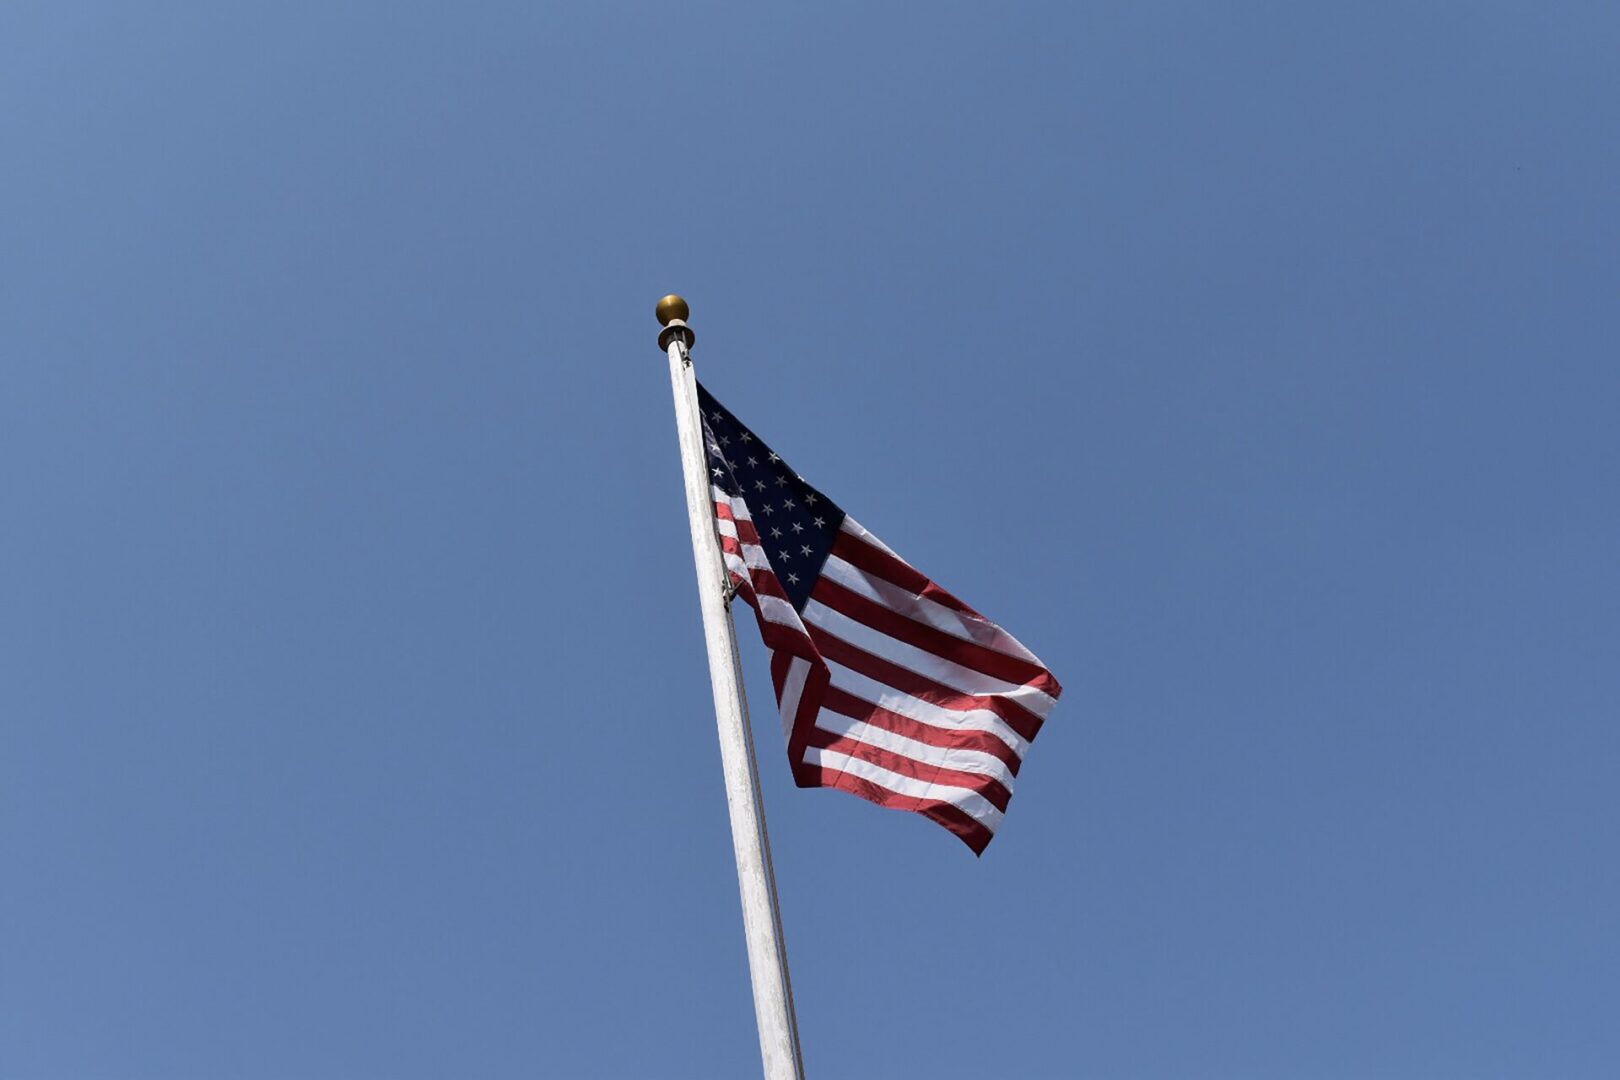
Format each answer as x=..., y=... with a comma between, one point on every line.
x=673, y=307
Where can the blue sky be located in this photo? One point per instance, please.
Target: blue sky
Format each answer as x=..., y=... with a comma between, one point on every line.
x=1254, y=364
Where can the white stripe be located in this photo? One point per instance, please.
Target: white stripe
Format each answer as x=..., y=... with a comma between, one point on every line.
x=978, y=631
x=971, y=761
x=792, y=688
x=972, y=803
x=775, y=609
x=855, y=529
x=739, y=508
x=921, y=661
x=873, y=692
x=755, y=556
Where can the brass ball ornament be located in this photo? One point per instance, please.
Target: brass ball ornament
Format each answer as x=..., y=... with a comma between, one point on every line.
x=672, y=307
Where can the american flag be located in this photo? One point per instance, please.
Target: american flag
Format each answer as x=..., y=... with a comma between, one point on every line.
x=889, y=687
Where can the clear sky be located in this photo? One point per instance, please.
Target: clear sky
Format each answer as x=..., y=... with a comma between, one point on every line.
x=1255, y=364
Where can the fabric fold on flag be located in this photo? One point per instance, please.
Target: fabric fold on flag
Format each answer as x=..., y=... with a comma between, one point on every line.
x=889, y=687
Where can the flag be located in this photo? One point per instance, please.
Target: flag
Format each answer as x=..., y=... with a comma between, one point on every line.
x=889, y=687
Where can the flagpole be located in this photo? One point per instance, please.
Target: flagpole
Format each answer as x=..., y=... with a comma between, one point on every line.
x=756, y=879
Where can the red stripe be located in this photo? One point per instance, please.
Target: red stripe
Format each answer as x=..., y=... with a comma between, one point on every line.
x=810, y=699
x=945, y=646
x=952, y=817
x=978, y=783
x=849, y=705
x=880, y=563
x=906, y=681
x=735, y=545
x=784, y=638
x=745, y=527
x=768, y=584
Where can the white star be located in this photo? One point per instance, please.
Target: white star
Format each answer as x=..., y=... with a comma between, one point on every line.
x=810, y=497
x=767, y=508
x=781, y=481
x=805, y=550
x=789, y=502
x=797, y=527
x=725, y=440
x=774, y=457
x=759, y=485
x=785, y=553
x=718, y=415
x=820, y=523
x=715, y=470
x=753, y=461
x=747, y=437
x=777, y=533
x=793, y=579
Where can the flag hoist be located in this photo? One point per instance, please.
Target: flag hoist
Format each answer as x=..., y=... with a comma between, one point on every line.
x=756, y=879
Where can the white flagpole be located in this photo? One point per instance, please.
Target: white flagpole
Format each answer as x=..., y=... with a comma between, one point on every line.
x=762, y=920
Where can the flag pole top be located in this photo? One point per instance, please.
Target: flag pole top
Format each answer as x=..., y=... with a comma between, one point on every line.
x=673, y=307
x=672, y=314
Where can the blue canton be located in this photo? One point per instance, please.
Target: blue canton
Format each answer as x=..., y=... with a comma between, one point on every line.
x=796, y=523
